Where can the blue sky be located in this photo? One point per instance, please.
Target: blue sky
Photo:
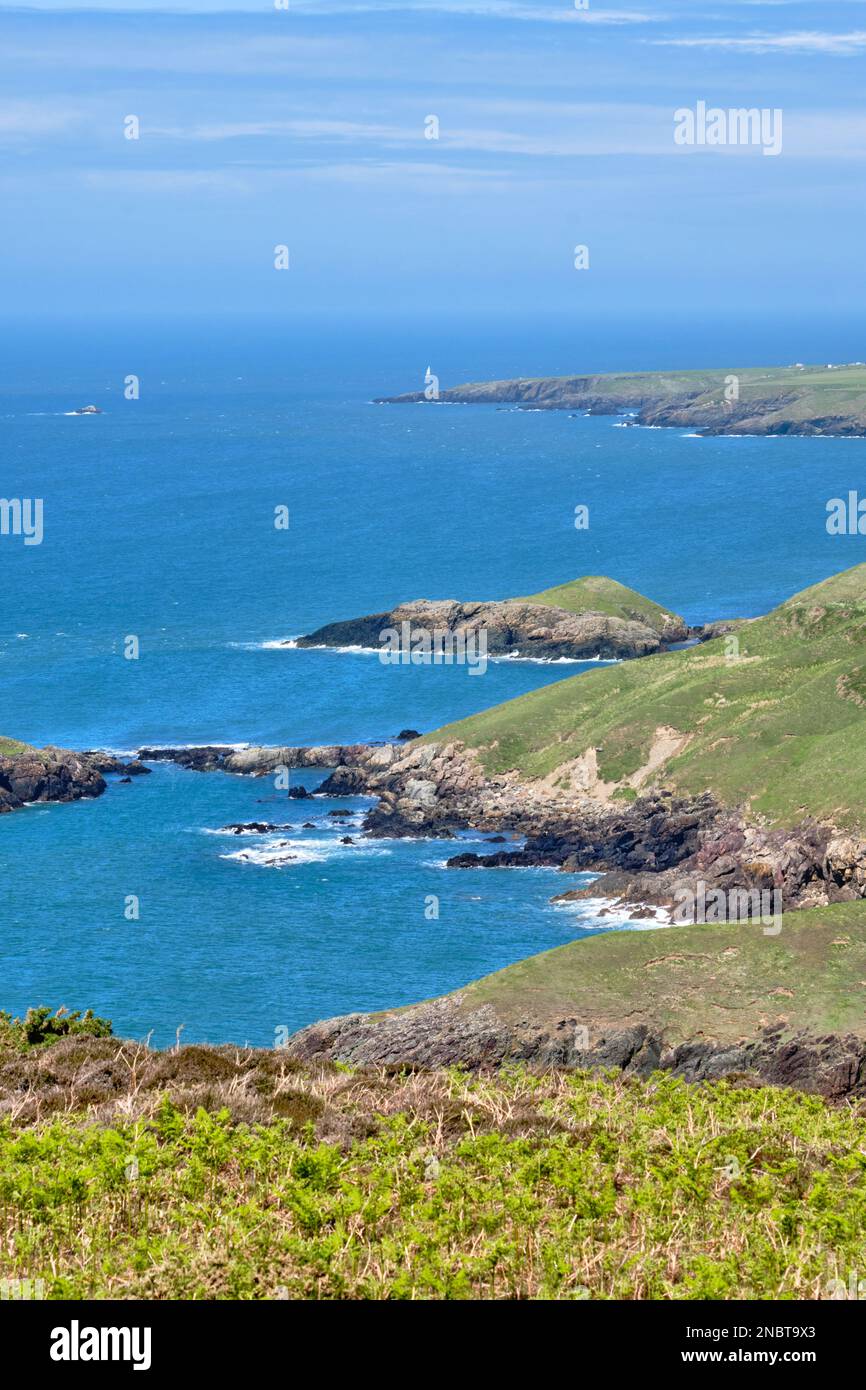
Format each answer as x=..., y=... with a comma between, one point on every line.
x=306, y=127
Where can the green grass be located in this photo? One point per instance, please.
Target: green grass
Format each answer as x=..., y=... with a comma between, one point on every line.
x=720, y=981
x=513, y=1186
x=598, y=594
x=12, y=748
x=776, y=723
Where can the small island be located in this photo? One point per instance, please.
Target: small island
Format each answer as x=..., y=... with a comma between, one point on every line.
x=586, y=619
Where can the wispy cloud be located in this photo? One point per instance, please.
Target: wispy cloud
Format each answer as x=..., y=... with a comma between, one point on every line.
x=804, y=41
x=564, y=12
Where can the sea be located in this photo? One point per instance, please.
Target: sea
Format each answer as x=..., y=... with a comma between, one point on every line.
x=159, y=526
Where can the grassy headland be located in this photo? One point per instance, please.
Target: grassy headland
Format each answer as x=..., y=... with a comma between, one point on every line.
x=723, y=980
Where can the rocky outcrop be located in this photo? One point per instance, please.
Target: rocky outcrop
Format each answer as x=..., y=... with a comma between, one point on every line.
x=254, y=761
x=108, y=763
x=444, y=1032
x=511, y=627
x=47, y=774
x=721, y=627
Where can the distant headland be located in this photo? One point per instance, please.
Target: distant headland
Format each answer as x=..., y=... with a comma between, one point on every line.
x=796, y=400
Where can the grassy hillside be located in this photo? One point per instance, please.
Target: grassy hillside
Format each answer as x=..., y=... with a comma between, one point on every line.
x=596, y=593
x=721, y=981
x=228, y=1174
x=777, y=723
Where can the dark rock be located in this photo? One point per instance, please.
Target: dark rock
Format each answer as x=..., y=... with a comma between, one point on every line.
x=444, y=1033
x=253, y=827
x=405, y=735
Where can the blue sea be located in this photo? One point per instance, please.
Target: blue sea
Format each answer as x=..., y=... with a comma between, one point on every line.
x=159, y=524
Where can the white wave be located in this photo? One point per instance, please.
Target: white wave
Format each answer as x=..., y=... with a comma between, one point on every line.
x=201, y=743
x=617, y=914
x=352, y=650
x=557, y=660
x=279, y=854
x=288, y=642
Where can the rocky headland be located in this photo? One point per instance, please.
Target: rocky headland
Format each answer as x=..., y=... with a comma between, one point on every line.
x=701, y=1003
x=798, y=400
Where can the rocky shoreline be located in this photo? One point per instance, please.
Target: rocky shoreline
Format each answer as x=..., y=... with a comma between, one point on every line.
x=46, y=774
x=646, y=849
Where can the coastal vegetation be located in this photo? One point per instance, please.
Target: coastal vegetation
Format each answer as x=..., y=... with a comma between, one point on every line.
x=225, y=1173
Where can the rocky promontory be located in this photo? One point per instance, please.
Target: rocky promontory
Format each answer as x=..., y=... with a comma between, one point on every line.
x=589, y=618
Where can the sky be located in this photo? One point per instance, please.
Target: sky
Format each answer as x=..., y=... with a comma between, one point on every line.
x=307, y=127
